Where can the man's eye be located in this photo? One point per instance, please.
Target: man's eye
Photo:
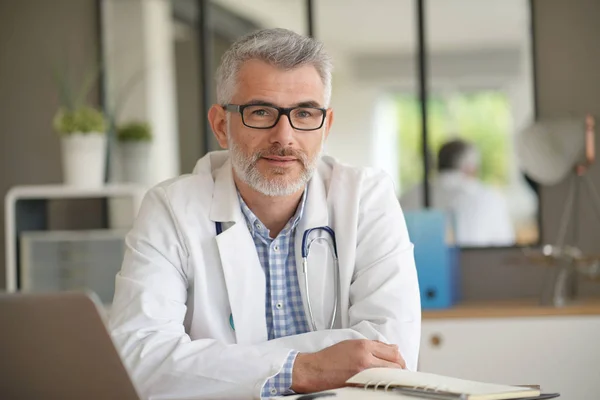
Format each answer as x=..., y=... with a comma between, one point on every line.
x=261, y=112
x=303, y=114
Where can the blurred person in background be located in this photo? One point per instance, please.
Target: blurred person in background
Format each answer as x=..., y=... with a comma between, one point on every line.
x=480, y=213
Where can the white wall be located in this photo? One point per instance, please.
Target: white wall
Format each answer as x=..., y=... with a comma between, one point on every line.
x=364, y=132
x=140, y=65
x=350, y=138
x=289, y=14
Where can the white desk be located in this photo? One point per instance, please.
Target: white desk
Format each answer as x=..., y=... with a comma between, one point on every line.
x=517, y=343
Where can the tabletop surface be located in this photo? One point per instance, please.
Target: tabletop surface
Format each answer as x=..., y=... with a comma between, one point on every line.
x=514, y=308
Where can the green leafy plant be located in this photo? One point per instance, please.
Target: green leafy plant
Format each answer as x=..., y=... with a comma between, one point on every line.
x=83, y=120
x=74, y=116
x=134, y=132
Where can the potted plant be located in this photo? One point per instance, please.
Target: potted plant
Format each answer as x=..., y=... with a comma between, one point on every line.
x=135, y=139
x=83, y=143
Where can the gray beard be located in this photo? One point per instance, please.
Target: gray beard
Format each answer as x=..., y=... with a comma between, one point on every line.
x=245, y=169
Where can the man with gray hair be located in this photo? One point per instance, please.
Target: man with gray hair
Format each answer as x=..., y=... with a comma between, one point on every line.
x=271, y=269
x=480, y=213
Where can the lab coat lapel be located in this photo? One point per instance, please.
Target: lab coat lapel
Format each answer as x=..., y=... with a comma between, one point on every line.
x=320, y=266
x=243, y=273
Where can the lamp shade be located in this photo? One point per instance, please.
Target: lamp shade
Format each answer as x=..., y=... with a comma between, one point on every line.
x=549, y=150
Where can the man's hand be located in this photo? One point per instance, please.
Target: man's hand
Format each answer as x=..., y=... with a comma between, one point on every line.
x=330, y=368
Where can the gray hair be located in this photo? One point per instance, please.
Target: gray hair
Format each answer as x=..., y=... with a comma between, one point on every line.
x=458, y=154
x=281, y=48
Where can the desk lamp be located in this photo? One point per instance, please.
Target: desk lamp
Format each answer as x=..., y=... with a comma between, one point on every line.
x=551, y=151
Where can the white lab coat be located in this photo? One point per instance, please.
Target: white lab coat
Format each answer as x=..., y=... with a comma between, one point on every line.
x=180, y=283
x=480, y=214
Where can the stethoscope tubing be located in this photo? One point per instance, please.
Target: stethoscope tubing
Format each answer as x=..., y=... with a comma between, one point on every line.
x=306, y=244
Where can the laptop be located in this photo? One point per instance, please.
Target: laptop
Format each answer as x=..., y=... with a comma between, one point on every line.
x=56, y=346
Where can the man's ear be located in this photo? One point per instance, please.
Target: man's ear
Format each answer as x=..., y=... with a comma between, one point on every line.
x=328, y=121
x=217, y=117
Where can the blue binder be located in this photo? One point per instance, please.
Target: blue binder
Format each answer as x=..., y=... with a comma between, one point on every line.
x=436, y=258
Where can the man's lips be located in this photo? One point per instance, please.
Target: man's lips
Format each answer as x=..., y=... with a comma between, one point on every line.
x=282, y=162
x=280, y=159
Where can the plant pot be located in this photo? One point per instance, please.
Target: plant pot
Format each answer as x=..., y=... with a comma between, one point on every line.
x=84, y=159
x=135, y=161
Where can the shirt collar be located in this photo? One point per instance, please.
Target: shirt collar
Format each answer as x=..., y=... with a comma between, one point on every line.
x=255, y=226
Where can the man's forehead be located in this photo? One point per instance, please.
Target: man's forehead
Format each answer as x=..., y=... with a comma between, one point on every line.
x=257, y=79
x=256, y=65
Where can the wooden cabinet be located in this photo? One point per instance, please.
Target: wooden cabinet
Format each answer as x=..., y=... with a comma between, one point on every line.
x=559, y=352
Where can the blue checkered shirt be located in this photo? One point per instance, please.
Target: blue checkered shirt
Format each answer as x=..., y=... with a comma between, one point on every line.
x=283, y=301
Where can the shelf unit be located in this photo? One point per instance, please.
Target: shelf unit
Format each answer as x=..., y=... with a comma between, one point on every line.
x=25, y=209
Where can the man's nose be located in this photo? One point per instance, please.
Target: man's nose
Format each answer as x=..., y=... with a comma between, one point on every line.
x=283, y=132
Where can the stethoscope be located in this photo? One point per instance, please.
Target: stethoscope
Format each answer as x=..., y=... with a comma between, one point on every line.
x=306, y=244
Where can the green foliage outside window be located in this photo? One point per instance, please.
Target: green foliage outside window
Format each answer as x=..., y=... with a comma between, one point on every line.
x=481, y=117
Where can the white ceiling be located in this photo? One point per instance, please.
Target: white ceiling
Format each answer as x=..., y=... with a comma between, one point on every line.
x=389, y=26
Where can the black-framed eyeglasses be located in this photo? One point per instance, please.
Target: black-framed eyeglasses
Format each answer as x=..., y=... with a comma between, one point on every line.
x=266, y=116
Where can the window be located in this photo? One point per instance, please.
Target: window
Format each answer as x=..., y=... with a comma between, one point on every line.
x=479, y=89
x=481, y=117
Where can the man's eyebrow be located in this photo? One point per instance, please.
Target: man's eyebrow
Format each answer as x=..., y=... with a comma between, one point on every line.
x=260, y=102
x=308, y=103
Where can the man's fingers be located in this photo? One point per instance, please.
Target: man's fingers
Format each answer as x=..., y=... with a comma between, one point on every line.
x=401, y=362
x=379, y=363
x=384, y=351
x=387, y=352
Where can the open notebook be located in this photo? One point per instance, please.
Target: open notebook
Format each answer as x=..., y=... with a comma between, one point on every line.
x=402, y=384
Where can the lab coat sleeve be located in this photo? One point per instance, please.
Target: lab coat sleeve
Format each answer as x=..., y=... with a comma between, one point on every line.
x=147, y=321
x=384, y=294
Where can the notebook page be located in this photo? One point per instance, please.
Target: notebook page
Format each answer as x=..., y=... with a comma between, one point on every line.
x=352, y=393
x=475, y=390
